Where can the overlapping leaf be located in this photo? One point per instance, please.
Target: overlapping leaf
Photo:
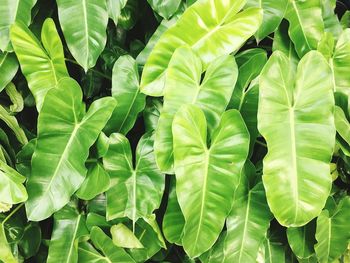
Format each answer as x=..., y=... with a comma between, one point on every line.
x=296, y=119
x=65, y=134
x=42, y=64
x=216, y=29
x=184, y=86
x=204, y=200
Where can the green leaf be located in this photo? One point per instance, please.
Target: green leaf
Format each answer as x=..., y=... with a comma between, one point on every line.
x=12, y=190
x=173, y=221
x=5, y=249
x=129, y=15
x=163, y=26
x=295, y=117
x=65, y=134
x=8, y=68
x=12, y=123
x=274, y=12
x=84, y=26
x=345, y=20
x=15, y=97
x=332, y=232
x=305, y=24
x=42, y=64
x=302, y=240
x=111, y=253
x=211, y=28
x=126, y=90
x=96, y=182
x=340, y=62
x=68, y=227
x=248, y=221
x=114, y=7
x=204, y=200
x=165, y=8
x=30, y=241
x=122, y=236
x=12, y=11
x=151, y=113
x=342, y=124
x=149, y=234
x=274, y=250
x=250, y=63
x=330, y=19
x=184, y=86
x=136, y=190
x=282, y=42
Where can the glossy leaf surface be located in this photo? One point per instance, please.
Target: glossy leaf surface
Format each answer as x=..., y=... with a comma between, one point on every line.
x=65, y=134
x=126, y=90
x=332, y=232
x=296, y=119
x=69, y=226
x=184, y=86
x=41, y=63
x=135, y=190
x=305, y=24
x=84, y=26
x=214, y=34
x=8, y=68
x=205, y=201
x=12, y=11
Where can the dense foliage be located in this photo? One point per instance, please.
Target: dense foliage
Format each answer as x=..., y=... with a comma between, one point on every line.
x=174, y=131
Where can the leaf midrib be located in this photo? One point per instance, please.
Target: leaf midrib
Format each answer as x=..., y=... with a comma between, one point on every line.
x=245, y=227
x=73, y=239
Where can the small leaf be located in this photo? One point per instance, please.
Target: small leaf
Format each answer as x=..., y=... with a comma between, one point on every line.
x=123, y=237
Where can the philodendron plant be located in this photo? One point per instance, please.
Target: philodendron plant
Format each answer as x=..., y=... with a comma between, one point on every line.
x=174, y=131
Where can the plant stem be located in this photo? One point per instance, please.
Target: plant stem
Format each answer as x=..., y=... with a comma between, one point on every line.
x=261, y=143
x=12, y=213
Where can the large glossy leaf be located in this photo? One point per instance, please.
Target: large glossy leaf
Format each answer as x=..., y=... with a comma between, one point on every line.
x=42, y=64
x=204, y=200
x=12, y=11
x=173, y=221
x=248, y=221
x=8, y=68
x=136, y=190
x=218, y=31
x=65, y=134
x=165, y=8
x=273, y=14
x=305, y=24
x=296, y=119
x=185, y=85
x=84, y=26
x=68, y=227
x=12, y=190
x=332, y=232
x=110, y=252
x=126, y=90
x=98, y=178
x=302, y=240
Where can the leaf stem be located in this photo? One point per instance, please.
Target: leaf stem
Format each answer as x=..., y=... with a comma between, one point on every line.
x=261, y=143
x=93, y=70
x=12, y=213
